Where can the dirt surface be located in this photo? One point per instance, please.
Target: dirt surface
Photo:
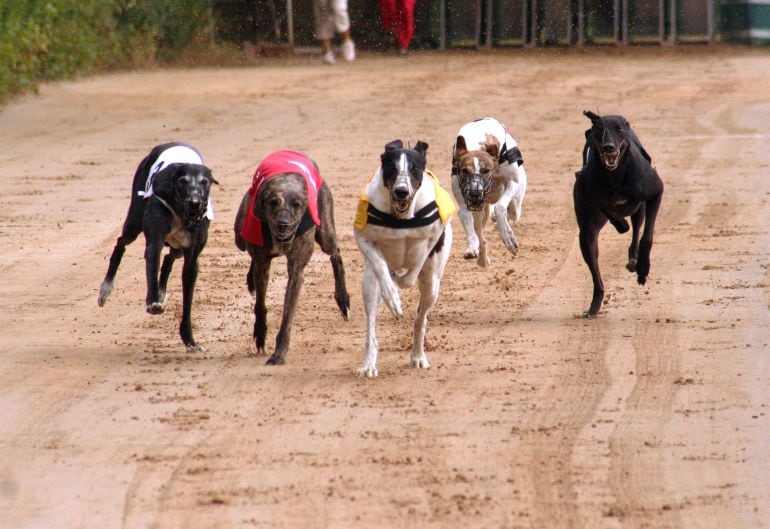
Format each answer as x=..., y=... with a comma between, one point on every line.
x=653, y=415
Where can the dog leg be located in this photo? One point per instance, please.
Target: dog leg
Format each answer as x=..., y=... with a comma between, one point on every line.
x=260, y=274
x=479, y=221
x=429, y=284
x=376, y=261
x=152, y=263
x=633, y=250
x=645, y=244
x=326, y=237
x=189, y=277
x=371, y=294
x=165, y=272
x=466, y=219
x=129, y=235
x=518, y=199
x=501, y=217
x=590, y=226
x=297, y=259
x=340, y=290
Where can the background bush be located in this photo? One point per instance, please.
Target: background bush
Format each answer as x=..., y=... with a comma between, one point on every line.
x=56, y=39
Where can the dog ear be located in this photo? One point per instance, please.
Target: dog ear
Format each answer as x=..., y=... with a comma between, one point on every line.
x=460, y=147
x=395, y=144
x=593, y=117
x=492, y=146
x=422, y=148
x=210, y=175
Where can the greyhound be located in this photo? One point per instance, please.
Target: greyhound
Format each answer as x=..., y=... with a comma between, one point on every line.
x=617, y=181
x=287, y=207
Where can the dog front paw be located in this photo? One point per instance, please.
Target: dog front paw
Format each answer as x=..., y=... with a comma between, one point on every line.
x=631, y=265
x=368, y=371
x=275, y=360
x=483, y=261
x=155, y=308
x=104, y=292
x=392, y=299
x=471, y=253
x=194, y=348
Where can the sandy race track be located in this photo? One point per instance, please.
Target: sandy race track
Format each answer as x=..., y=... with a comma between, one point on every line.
x=656, y=414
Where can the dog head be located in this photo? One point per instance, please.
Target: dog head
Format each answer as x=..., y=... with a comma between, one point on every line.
x=609, y=135
x=402, y=171
x=475, y=170
x=188, y=186
x=282, y=202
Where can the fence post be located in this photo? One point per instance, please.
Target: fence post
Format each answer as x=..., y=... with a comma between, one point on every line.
x=290, y=22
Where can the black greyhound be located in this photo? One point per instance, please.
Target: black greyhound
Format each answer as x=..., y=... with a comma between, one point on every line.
x=173, y=214
x=617, y=181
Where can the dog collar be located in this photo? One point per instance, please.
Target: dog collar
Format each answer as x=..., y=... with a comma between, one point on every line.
x=424, y=217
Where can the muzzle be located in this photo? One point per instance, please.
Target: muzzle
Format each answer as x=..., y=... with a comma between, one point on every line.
x=475, y=190
x=193, y=206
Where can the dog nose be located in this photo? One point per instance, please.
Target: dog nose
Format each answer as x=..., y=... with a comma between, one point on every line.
x=608, y=148
x=401, y=193
x=476, y=190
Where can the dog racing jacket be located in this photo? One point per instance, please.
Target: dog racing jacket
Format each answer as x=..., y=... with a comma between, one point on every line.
x=475, y=134
x=172, y=155
x=281, y=162
x=443, y=207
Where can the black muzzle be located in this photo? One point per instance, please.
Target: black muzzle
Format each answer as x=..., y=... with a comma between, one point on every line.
x=475, y=190
x=194, y=206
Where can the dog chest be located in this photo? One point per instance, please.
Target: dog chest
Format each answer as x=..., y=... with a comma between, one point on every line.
x=404, y=249
x=178, y=237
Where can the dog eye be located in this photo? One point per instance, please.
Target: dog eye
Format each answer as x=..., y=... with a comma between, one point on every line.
x=484, y=170
x=274, y=202
x=296, y=204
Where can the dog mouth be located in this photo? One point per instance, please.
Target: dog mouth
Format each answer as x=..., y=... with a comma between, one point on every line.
x=400, y=205
x=611, y=158
x=283, y=233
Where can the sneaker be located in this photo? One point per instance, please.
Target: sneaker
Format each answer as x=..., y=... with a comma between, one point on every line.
x=328, y=57
x=349, y=50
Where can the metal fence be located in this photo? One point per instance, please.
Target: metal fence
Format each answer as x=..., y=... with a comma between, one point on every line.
x=495, y=23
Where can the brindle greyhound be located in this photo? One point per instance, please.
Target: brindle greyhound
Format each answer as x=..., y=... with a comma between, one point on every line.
x=287, y=207
x=617, y=181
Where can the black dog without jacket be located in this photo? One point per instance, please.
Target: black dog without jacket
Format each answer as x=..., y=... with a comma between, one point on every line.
x=173, y=211
x=617, y=181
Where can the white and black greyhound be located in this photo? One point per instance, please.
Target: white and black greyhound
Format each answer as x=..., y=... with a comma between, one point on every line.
x=403, y=229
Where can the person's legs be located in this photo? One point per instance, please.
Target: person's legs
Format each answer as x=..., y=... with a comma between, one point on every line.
x=388, y=14
x=342, y=26
x=324, y=28
x=405, y=24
